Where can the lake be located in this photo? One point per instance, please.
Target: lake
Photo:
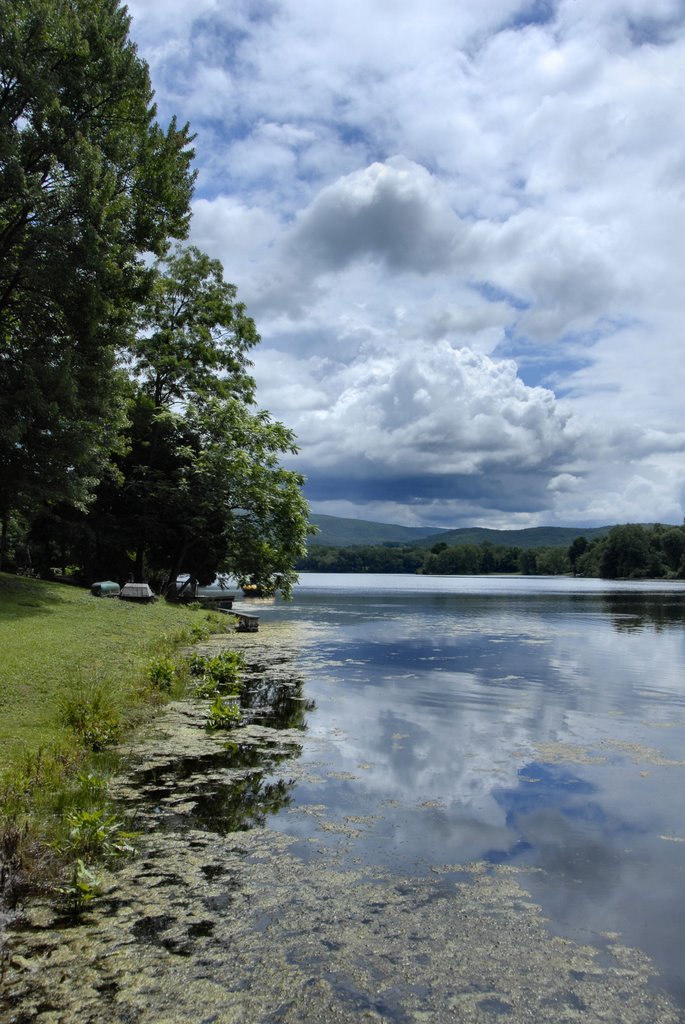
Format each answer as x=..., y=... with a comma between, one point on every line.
x=450, y=799
x=538, y=722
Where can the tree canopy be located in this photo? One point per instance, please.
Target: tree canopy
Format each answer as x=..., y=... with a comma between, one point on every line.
x=89, y=183
x=129, y=435
x=196, y=485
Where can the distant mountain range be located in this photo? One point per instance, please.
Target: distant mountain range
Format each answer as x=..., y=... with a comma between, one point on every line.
x=338, y=532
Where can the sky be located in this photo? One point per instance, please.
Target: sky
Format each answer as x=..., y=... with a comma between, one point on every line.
x=460, y=230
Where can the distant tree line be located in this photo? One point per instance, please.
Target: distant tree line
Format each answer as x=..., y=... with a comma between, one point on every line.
x=629, y=551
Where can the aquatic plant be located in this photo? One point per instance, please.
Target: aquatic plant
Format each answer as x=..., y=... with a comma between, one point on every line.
x=161, y=673
x=221, y=671
x=83, y=886
x=224, y=713
x=206, y=687
x=96, y=834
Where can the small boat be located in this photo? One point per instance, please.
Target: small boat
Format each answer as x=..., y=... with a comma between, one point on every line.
x=105, y=588
x=252, y=590
x=137, y=592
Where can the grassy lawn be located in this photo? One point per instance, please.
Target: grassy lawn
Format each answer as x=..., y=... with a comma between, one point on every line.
x=75, y=673
x=56, y=639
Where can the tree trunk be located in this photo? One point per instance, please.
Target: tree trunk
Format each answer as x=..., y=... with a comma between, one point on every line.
x=139, y=565
x=3, y=537
x=176, y=571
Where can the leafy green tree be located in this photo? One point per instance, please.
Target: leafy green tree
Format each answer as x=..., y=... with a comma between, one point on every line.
x=552, y=561
x=577, y=548
x=673, y=546
x=194, y=337
x=589, y=562
x=626, y=553
x=528, y=562
x=89, y=183
x=200, y=488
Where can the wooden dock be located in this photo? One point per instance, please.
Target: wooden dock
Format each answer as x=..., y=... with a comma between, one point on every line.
x=247, y=621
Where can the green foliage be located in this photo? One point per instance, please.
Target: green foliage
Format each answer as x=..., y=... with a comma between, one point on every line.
x=672, y=542
x=194, y=336
x=89, y=183
x=224, y=713
x=96, y=835
x=578, y=547
x=92, y=786
x=93, y=716
x=206, y=687
x=388, y=559
x=199, y=631
x=52, y=639
x=83, y=887
x=114, y=375
x=219, y=673
x=200, y=488
x=161, y=674
x=627, y=551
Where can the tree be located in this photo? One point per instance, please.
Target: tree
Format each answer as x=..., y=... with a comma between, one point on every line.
x=673, y=546
x=89, y=182
x=199, y=488
x=626, y=553
x=528, y=562
x=577, y=548
x=551, y=562
x=194, y=337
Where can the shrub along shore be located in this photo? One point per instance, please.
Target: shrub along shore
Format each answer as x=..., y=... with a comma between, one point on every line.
x=77, y=674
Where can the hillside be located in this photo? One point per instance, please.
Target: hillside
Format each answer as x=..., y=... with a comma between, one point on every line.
x=339, y=532
x=533, y=537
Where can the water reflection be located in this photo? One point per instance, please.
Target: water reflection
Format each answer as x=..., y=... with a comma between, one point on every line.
x=545, y=731
x=275, y=702
x=232, y=790
x=632, y=612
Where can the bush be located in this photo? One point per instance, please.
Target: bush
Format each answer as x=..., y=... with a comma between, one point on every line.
x=92, y=716
x=220, y=672
x=95, y=834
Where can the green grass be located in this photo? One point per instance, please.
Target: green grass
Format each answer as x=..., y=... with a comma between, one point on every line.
x=76, y=673
x=56, y=640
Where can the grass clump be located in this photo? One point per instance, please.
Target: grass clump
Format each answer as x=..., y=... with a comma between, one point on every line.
x=93, y=715
x=161, y=673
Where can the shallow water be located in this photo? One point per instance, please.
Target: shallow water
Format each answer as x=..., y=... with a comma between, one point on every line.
x=451, y=800
x=534, y=723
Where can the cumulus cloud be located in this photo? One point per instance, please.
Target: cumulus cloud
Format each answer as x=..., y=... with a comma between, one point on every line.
x=421, y=426
x=426, y=230
x=390, y=211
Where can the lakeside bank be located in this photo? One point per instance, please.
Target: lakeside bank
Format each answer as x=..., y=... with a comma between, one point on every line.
x=222, y=917
x=78, y=674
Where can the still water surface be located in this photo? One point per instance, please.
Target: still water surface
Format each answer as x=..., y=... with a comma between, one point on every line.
x=534, y=722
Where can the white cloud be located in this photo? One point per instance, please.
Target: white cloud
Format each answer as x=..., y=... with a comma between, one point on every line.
x=489, y=183
x=433, y=411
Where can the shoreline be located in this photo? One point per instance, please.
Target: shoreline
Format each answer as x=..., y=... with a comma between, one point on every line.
x=241, y=925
